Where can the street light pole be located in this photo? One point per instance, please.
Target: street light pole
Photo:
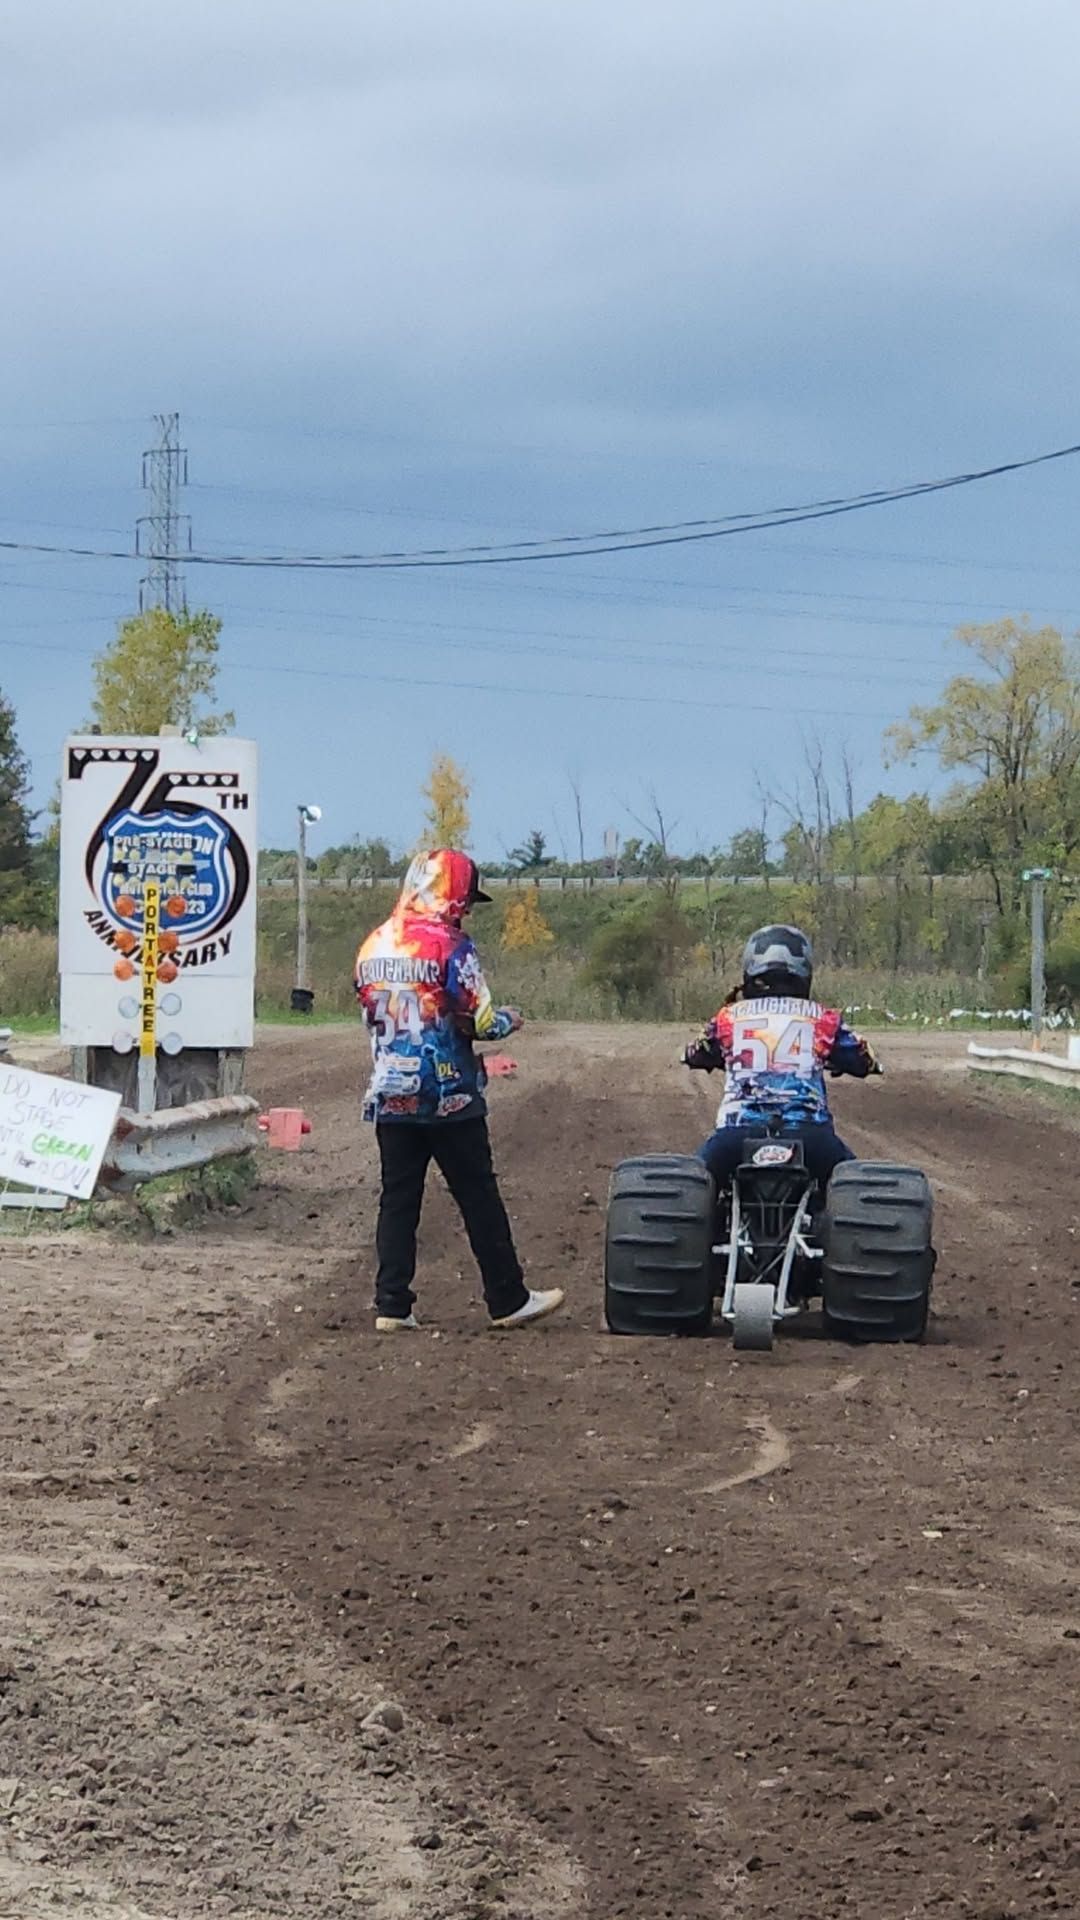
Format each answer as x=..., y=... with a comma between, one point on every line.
x=302, y=995
x=302, y=908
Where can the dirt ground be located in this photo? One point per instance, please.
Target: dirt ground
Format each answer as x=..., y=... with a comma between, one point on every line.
x=783, y=1637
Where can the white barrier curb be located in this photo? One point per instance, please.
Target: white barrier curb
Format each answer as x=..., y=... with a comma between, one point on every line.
x=1051, y=1068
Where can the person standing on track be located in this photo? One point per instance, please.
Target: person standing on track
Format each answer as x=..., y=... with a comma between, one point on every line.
x=775, y=1045
x=425, y=1001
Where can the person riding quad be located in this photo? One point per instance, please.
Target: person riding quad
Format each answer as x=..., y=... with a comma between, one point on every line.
x=775, y=1045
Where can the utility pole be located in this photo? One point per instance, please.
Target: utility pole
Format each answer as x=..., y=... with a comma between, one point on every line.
x=160, y=533
x=1036, y=878
x=986, y=921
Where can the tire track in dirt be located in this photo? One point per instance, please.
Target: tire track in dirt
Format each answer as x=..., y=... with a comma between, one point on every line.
x=773, y=1454
x=500, y=1684
x=835, y=1690
x=480, y=1435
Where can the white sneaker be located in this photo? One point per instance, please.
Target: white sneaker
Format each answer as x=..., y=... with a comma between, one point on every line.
x=384, y=1324
x=537, y=1307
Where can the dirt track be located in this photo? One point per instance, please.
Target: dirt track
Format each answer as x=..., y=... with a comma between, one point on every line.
x=793, y=1636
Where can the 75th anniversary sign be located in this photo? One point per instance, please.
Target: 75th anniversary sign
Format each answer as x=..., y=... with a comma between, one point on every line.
x=157, y=893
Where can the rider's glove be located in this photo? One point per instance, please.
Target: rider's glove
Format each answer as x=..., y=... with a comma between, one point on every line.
x=701, y=1053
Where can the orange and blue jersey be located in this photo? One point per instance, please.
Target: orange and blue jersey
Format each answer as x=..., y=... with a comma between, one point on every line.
x=775, y=1054
x=424, y=998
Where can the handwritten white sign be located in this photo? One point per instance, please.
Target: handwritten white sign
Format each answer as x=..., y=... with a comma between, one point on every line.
x=53, y=1134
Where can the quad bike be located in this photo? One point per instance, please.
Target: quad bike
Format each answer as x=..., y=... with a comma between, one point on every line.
x=768, y=1247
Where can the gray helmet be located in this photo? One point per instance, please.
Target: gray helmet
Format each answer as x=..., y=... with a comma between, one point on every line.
x=778, y=960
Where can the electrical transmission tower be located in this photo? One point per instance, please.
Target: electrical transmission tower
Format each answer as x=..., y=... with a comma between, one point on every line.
x=159, y=533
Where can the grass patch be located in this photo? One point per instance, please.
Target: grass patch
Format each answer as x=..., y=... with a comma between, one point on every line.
x=1016, y=1089
x=187, y=1199
x=319, y=1017
x=16, y=1222
x=174, y=1202
x=556, y=978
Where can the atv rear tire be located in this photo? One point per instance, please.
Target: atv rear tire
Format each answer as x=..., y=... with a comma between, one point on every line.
x=658, y=1263
x=879, y=1257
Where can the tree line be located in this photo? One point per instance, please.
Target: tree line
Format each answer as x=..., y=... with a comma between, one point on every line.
x=873, y=874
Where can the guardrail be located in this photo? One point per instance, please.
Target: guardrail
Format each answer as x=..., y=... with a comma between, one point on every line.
x=176, y=1139
x=576, y=882
x=549, y=882
x=1023, y=1063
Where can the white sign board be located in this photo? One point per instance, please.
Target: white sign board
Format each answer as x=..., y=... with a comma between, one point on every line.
x=179, y=815
x=53, y=1134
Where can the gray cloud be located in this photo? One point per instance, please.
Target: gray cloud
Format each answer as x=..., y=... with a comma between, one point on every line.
x=710, y=253
x=475, y=189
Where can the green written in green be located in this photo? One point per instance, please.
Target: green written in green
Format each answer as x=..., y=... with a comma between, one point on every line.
x=51, y=1145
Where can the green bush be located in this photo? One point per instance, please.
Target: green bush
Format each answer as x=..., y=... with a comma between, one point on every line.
x=632, y=952
x=1062, y=969
x=28, y=980
x=1063, y=965
x=635, y=956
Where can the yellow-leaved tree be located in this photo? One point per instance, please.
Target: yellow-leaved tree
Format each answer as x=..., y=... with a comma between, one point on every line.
x=446, y=790
x=524, y=926
x=160, y=671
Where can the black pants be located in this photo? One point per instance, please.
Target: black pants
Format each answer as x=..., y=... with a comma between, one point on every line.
x=461, y=1150
x=823, y=1150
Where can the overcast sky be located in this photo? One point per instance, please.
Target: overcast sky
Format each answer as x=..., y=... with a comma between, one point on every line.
x=432, y=274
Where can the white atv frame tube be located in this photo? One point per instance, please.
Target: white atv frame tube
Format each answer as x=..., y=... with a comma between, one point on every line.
x=739, y=1242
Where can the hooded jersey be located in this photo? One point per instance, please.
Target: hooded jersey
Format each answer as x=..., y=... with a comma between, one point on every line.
x=775, y=1054
x=424, y=998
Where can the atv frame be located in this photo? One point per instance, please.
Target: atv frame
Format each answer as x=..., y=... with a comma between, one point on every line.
x=768, y=1221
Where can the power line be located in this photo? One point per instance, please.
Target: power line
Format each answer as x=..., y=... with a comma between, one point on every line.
x=621, y=598
x=632, y=539
x=617, y=583
x=465, y=444
x=672, y=657
x=48, y=586
x=572, y=546
x=842, y=617
x=888, y=556
x=502, y=687
x=662, y=650
x=290, y=497
x=56, y=526
x=622, y=649
x=38, y=425
x=715, y=522
x=50, y=626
